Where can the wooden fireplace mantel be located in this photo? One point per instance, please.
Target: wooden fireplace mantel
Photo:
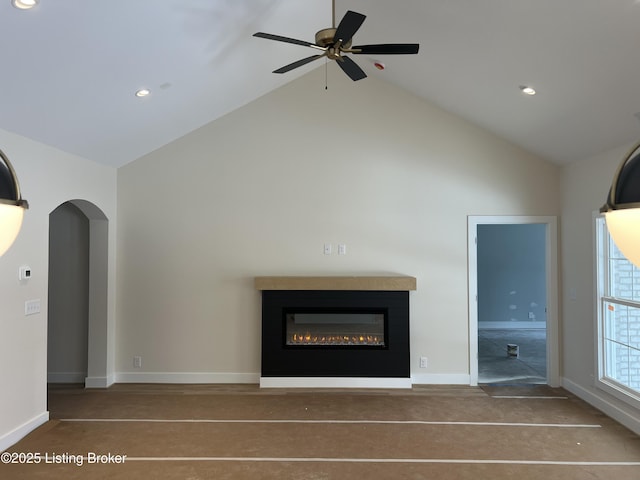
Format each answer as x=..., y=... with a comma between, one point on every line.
x=371, y=283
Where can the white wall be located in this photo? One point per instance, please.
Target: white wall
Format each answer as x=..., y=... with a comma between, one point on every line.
x=48, y=178
x=585, y=185
x=259, y=192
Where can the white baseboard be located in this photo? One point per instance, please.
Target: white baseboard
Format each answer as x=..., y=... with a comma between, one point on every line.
x=337, y=382
x=602, y=402
x=79, y=377
x=185, y=377
x=334, y=382
x=15, y=435
x=440, y=379
x=99, y=382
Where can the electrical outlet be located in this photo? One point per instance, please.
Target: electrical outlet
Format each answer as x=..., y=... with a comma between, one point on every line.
x=423, y=362
x=137, y=362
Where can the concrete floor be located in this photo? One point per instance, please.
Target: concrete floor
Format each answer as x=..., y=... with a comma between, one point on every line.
x=496, y=367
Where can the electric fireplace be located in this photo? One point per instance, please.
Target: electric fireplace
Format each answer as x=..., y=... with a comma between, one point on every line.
x=331, y=327
x=335, y=333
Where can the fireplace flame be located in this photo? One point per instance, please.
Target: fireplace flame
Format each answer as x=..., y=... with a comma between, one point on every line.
x=314, y=339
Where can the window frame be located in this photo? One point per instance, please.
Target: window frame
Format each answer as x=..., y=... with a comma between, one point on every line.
x=602, y=298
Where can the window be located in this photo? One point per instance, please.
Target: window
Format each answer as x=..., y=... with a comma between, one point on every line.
x=618, y=311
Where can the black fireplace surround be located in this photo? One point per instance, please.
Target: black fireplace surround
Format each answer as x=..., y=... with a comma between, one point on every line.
x=356, y=354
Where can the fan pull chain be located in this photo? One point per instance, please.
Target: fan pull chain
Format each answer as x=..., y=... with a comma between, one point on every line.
x=326, y=62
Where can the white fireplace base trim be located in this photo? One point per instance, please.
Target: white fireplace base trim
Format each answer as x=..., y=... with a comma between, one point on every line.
x=334, y=382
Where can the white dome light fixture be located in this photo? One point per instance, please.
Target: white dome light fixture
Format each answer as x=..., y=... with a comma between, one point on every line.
x=24, y=4
x=622, y=210
x=12, y=206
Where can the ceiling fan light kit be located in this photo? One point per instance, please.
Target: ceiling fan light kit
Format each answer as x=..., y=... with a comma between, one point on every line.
x=12, y=206
x=334, y=43
x=622, y=209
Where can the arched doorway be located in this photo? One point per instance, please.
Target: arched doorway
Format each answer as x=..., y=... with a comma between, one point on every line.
x=77, y=310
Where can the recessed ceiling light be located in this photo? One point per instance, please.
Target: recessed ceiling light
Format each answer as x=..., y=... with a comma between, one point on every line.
x=527, y=90
x=24, y=4
x=143, y=92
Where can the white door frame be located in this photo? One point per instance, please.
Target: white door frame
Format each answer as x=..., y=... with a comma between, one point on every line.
x=551, y=252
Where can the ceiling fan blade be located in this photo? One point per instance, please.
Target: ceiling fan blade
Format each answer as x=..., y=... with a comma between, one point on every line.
x=279, y=38
x=297, y=64
x=348, y=26
x=387, y=49
x=351, y=68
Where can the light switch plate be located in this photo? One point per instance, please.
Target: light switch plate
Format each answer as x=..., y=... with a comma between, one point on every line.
x=31, y=307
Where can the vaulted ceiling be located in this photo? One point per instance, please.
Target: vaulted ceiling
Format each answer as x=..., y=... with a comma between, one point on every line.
x=70, y=68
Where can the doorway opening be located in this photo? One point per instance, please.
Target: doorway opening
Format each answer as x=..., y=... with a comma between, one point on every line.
x=513, y=322
x=67, y=332
x=77, y=296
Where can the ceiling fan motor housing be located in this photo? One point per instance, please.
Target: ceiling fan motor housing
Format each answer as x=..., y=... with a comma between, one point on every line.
x=324, y=38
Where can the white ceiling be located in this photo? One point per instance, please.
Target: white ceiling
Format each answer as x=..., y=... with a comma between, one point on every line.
x=70, y=67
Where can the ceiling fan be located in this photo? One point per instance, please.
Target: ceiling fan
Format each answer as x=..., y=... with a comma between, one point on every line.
x=335, y=42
